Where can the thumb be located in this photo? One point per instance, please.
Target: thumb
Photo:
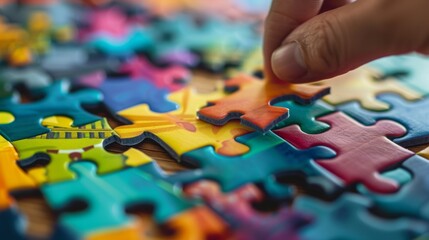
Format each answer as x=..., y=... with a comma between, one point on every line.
x=337, y=41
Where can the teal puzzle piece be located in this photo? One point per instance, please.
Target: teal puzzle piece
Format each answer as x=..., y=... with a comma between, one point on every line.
x=109, y=195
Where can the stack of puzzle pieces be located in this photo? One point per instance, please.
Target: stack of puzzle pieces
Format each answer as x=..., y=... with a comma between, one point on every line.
x=336, y=159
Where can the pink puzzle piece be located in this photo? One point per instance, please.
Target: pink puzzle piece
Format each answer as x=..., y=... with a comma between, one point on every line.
x=252, y=102
x=247, y=224
x=362, y=151
x=172, y=77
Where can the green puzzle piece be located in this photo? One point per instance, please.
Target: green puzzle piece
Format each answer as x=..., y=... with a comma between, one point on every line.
x=305, y=116
x=109, y=195
x=65, y=145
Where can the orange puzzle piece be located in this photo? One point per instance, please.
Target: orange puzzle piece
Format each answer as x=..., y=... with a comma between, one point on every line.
x=252, y=102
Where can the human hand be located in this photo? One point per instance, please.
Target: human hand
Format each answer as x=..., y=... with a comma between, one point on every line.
x=309, y=40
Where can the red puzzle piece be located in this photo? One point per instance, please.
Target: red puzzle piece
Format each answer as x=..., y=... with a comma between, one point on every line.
x=252, y=102
x=362, y=151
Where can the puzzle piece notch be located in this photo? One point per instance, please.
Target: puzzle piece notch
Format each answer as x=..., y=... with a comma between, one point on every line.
x=411, y=114
x=246, y=223
x=362, y=151
x=57, y=102
x=113, y=192
x=361, y=85
x=269, y=156
x=252, y=102
x=412, y=198
x=349, y=218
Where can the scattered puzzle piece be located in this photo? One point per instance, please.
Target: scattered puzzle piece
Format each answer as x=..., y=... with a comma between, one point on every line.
x=179, y=131
x=122, y=93
x=411, y=70
x=305, y=116
x=252, y=102
x=361, y=85
x=57, y=102
x=246, y=222
x=362, y=151
x=12, y=224
x=412, y=199
x=412, y=115
x=269, y=155
x=172, y=77
x=349, y=218
x=108, y=196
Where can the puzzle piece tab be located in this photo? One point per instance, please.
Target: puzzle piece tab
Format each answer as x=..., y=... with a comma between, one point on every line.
x=252, y=102
x=349, y=218
x=361, y=85
x=412, y=115
x=269, y=155
x=246, y=222
x=57, y=102
x=179, y=131
x=362, y=151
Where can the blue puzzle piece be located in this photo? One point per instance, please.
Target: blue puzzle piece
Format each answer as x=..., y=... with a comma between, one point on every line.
x=413, y=197
x=411, y=69
x=349, y=218
x=57, y=102
x=12, y=224
x=269, y=156
x=137, y=40
x=122, y=93
x=412, y=115
x=109, y=195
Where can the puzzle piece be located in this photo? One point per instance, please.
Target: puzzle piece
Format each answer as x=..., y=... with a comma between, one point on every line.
x=412, y=115
x=184, y=33
x=122, y=93
x=246, y=222
x=172, y=77
x=410, y=69
x=58, y=101
x=179, y=131
x=362, y=151
x=34, y=79
x=305, y=116
x=11, y=176
x=63, y=145
x=349, y=218
x=109, y=195
x=252, y=103
x=362, y=85
x=113, y=34
x=269, y=156
x=412, y=199
x=196, y=223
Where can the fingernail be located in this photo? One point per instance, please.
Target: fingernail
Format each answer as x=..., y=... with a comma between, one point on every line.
x=288, y=62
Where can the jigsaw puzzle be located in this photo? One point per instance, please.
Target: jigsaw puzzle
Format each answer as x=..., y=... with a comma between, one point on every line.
x=84, y=84
x=258, y=112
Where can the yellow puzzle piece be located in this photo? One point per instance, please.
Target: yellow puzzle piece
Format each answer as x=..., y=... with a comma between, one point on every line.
x=180, y=131
x=361, y=85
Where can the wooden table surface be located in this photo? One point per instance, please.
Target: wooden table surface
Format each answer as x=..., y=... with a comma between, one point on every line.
x=40, y=218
